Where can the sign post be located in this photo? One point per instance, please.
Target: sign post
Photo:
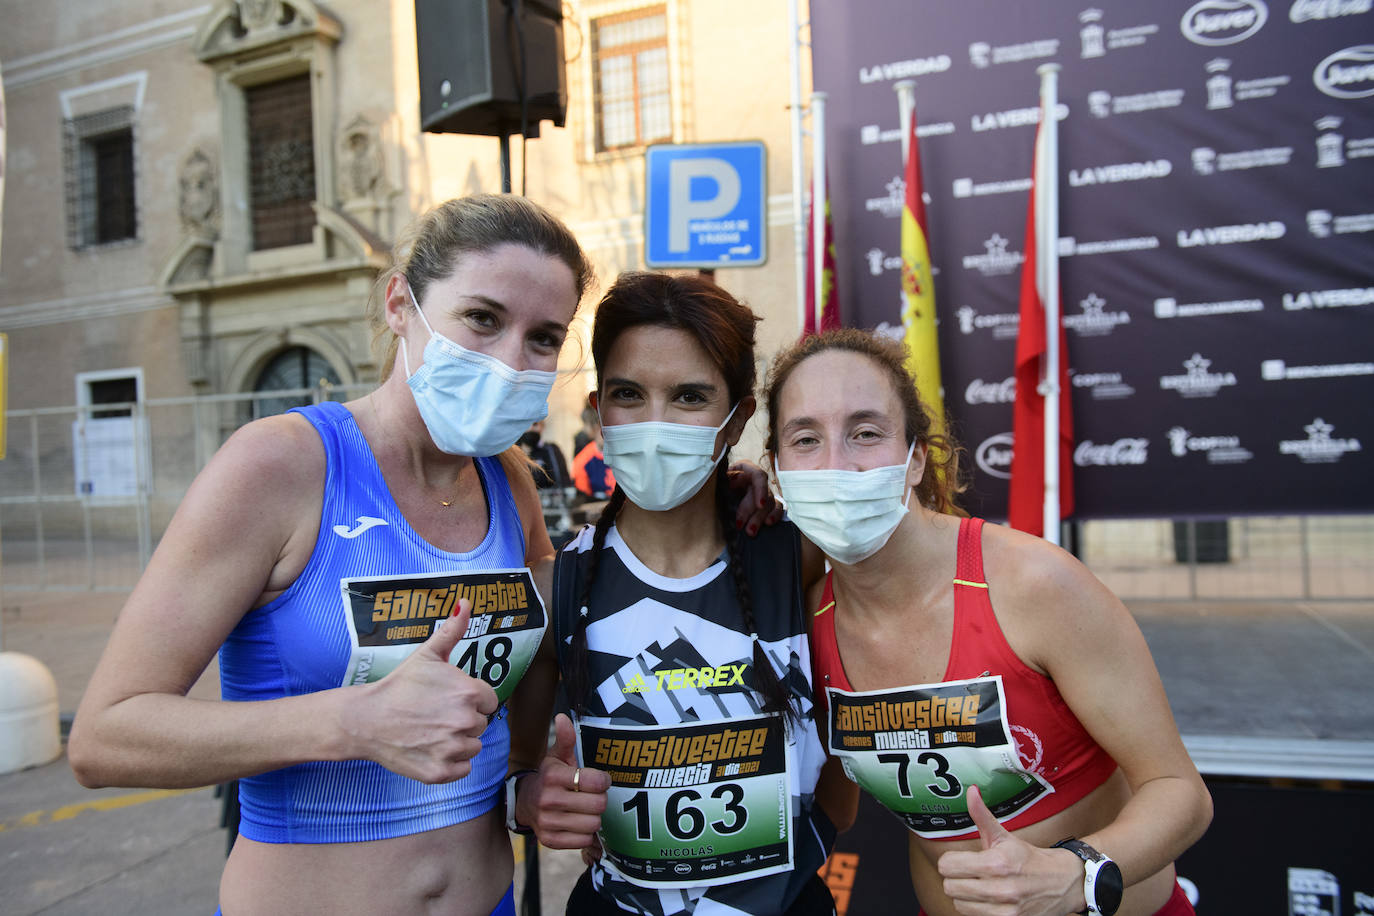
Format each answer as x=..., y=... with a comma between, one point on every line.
x=706, y=205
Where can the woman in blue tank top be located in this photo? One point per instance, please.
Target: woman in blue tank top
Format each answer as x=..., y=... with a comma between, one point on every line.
x=321, y=553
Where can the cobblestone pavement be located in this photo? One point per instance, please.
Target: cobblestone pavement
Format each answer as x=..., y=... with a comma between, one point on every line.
x=69, y=851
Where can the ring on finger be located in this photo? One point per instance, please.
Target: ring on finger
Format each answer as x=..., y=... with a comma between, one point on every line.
x=577, y=779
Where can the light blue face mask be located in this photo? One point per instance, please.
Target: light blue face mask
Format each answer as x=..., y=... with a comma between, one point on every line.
x=661, y=465
x=473, y=404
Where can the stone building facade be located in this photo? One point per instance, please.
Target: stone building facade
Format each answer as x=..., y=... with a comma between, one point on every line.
x=199, y=198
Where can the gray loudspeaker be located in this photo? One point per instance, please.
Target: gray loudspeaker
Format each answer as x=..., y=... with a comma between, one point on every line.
x=470, y=66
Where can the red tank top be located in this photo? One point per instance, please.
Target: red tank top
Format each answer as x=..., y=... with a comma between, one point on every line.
x=1050, y=740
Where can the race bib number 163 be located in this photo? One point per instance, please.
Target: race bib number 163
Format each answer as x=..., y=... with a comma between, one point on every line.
x=705, y=803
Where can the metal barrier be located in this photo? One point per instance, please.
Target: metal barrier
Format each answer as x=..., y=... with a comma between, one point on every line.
x=87, y=491
x=1259, y=558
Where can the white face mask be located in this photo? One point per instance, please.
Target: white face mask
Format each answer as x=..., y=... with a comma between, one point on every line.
x=849, y=515
x=661, y=465
x=473, y=404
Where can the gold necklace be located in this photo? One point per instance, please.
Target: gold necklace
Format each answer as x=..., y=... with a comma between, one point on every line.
x=372, y=399
x=457, y=487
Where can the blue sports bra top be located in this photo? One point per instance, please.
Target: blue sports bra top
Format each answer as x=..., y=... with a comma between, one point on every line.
x=300, y=643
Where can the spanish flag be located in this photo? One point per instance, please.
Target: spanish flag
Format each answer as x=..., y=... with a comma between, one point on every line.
x=918, y=289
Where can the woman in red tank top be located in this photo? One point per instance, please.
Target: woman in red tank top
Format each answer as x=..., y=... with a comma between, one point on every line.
x=955, y=655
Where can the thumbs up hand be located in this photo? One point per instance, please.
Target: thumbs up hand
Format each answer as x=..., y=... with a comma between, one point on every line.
x=1007, y=875
x=562, y=801
x=426, y=718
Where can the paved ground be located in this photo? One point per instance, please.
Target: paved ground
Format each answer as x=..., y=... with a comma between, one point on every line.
x=1253, y=670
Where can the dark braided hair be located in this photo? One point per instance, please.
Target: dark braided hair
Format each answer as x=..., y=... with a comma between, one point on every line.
x=725, y=329
x=577, y=678
x=776, y=696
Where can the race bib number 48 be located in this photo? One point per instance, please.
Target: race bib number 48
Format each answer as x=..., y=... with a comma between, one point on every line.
x=705, y=803
x=917, y=750
x=388, y=616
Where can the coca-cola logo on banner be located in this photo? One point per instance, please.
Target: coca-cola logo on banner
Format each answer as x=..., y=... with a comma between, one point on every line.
x=1347, y=74
x=981, y=392
x=1122, y=452
x=1223, y=22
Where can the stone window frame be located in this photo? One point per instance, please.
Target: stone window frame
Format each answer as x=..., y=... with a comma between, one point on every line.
x=278, y=193
x=290, y=38
x=82, y=185
x=90, y=111
x=582, y=64
x=631, y=50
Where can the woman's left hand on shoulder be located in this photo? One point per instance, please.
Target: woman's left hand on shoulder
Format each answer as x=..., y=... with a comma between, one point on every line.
x=1008, y=875
x=757, y=505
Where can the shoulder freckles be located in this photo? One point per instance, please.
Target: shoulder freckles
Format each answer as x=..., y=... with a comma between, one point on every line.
x=283, y=448
x=1030, y=568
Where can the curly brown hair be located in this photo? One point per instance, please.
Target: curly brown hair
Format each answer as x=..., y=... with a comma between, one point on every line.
x=941, y=484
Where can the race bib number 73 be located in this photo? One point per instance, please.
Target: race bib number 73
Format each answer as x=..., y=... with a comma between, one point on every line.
x=918, y=749
x=388, y=616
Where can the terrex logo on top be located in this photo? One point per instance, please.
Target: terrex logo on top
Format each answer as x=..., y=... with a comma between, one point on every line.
x=1223, y=22
x=679, y=678
x=1347, y=74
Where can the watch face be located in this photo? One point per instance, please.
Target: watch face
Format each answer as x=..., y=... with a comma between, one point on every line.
x=1108, y=888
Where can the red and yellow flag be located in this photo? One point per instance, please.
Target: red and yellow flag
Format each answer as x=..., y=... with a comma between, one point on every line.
x=830, y=294
x=918, y=289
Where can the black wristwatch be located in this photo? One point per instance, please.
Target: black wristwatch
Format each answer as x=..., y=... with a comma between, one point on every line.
x=1102, y=884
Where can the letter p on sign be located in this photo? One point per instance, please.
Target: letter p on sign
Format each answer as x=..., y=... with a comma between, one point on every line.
x=683, y=209
x=705, y=205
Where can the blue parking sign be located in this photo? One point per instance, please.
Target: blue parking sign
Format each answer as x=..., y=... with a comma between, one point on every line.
x=705, y=205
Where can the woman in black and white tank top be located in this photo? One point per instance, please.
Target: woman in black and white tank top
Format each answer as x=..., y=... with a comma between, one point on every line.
x=681, y=644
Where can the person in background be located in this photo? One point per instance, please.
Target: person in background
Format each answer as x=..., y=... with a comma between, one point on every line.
x=382, y=795
x=591, y=427
x=553, y=468
x=593, y=479
x=981, y=683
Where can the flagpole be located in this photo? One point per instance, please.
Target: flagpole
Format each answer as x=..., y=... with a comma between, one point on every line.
x=818, y=200
x=798, y=183
x=1047, y=248
x=906, y=104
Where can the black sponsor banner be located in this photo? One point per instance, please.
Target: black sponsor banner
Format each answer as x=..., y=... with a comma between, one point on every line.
x=1217, y=232
x=1242, y=864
